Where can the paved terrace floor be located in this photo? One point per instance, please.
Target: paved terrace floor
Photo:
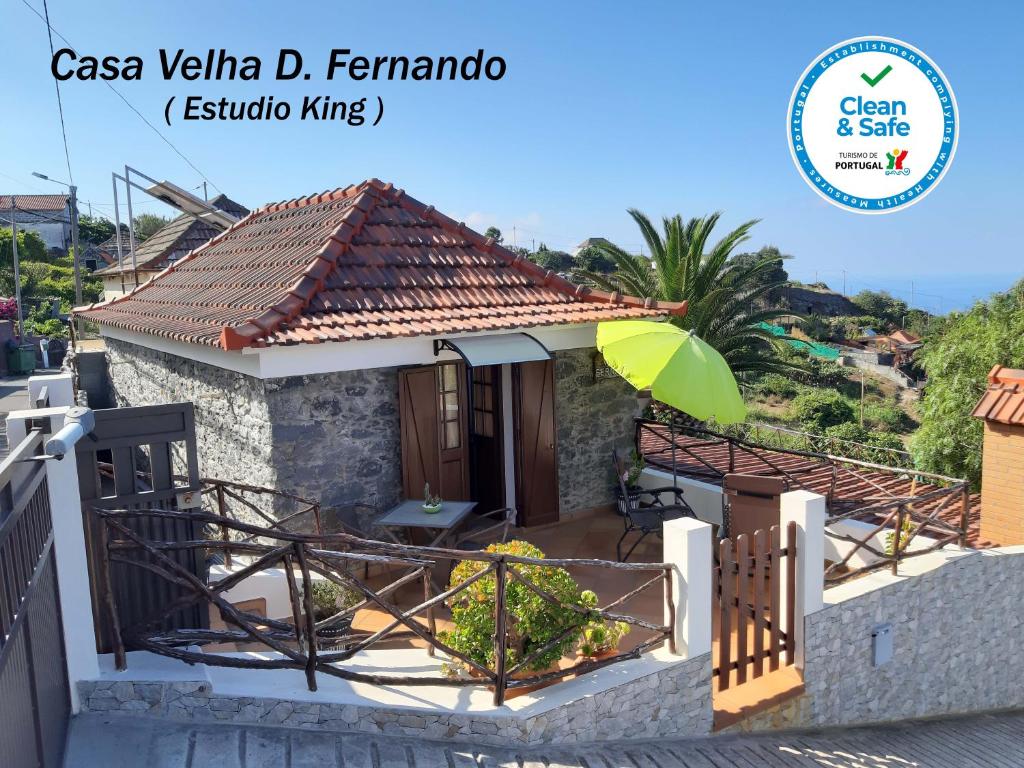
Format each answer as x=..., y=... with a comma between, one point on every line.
x=127, y=742
x=707, y=459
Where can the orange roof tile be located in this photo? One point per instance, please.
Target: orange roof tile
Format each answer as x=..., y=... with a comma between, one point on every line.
x=1003, y=401
x=364, y=262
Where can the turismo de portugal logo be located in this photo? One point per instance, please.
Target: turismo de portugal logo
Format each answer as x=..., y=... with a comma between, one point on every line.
x=873, y=125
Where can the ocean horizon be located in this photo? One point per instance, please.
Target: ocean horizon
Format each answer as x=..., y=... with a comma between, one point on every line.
x=937, y=294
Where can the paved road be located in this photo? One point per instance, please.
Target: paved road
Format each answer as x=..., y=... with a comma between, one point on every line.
x=105, y=741
x=13, y=397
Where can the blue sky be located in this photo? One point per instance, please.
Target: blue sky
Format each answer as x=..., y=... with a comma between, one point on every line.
x=667, y=107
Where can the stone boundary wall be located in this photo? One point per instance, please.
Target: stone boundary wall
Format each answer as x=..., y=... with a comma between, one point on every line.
x=675, y=701
x=958, y=644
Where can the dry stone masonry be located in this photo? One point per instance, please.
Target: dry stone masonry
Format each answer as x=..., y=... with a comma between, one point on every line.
x=675, y=701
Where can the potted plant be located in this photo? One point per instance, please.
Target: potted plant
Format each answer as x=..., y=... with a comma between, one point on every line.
x=600, y=638
x=328, y=599
x=629, y=472
x=431, y=504
x=531, y=622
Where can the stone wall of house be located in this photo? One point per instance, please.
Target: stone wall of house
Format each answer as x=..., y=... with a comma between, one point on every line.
x=336, y=436
x=675, y=701
x=591, y=417
x=332, y=437
x=232, y=418
x=958, y=645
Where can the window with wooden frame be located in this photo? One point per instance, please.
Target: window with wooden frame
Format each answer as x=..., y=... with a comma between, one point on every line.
x=483, y=401
x=448, y=391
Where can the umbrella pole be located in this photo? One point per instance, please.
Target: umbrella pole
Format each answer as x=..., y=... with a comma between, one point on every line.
x=672, y=437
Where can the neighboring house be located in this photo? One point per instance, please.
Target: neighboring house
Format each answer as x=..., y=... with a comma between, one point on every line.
x=353, y=345
x=49, y=216
x=590, y=242
x=164, y=247
x=96, y=257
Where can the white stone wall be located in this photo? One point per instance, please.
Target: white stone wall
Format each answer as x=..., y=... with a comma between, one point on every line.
x=958, y=626
x=675, y=701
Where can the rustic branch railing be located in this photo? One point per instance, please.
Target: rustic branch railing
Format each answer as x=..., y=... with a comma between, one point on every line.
x=904, y=502
x=340, y=559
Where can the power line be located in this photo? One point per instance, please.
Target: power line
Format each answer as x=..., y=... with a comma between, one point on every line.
x=130, y=106
x=60, y=104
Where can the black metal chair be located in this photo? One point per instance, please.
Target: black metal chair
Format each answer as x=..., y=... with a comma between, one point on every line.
x=480, y=531
x=643, y=510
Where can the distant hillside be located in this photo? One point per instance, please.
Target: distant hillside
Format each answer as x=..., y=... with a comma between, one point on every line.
x=817, y=299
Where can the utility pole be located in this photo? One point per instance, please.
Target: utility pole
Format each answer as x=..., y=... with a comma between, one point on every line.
x=205, y=196
x=78, y=257
x=844, y=282
x=911, y=294
x=862, y=397
x=17, y=272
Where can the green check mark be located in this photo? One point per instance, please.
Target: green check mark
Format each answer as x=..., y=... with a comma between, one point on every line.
x=873, y=81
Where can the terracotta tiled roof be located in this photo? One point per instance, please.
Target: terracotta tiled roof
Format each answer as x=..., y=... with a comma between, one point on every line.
x=364, y=262
x=850, y=488
x=174, y=240
x=35, y=202
x=1003, y=401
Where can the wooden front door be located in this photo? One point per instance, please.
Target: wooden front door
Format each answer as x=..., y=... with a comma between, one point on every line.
x=433, y=425
x=536, y=455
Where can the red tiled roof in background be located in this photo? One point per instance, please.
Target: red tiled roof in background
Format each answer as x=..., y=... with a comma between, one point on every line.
x=35, y=202
x=1003, y=401
x=364, y=262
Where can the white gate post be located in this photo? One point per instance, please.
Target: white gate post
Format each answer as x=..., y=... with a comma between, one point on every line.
x=687, y=546
x=808, y=511
x=69, y=554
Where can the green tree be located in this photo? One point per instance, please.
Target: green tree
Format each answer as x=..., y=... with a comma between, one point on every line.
x=94, y=229
x=31, y=248
x=495, y=233
x=883, y=305
x=146, y=225
x=723, y=297
x=776, y=275
x=593, y=259
x=556, y=261
x=819, y=409
x=957, y=361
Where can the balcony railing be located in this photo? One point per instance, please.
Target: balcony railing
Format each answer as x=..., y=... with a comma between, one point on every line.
x=342, y=559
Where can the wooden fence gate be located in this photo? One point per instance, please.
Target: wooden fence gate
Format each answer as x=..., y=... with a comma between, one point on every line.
x=34, y=696
x=753, y=636
x=140, y=458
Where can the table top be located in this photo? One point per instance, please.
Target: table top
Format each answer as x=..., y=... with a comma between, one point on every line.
x=410, y=514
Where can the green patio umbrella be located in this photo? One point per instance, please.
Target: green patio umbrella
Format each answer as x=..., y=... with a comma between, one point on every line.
x=680, y=370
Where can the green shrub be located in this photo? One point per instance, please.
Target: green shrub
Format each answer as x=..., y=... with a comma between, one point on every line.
x=329, y=598
x=819, y=409
x=849, y=430
x=887, y=418
x=885, y=440
x=532, y=621
x=778, y=385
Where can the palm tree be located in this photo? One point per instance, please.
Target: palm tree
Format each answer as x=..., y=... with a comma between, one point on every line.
x=722, y=296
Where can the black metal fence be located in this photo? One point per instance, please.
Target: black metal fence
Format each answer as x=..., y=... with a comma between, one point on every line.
x=33, y=676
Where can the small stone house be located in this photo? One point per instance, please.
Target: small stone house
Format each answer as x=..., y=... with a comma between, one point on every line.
x=353, y=345
x=1002, y=473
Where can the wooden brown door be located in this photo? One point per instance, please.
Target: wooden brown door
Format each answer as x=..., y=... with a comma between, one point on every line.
x=536, y=454
x=433, y=428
